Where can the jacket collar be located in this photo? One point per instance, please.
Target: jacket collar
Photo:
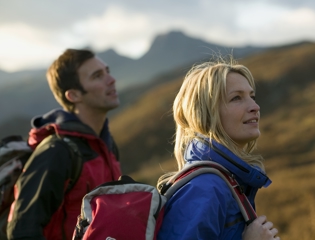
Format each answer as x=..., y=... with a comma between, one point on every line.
x=63, y=123
x=216, y=152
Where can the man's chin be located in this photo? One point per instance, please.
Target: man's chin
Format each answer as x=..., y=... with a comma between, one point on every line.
x=114, y=105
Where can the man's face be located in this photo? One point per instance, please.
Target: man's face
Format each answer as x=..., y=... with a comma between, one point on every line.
x=101, y=95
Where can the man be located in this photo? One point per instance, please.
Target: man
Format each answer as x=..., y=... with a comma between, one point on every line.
x=44, y=207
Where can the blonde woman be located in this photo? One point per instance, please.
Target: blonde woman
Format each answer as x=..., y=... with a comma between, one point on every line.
x=217, y=119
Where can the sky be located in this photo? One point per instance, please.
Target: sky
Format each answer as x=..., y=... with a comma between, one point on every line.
x=35, y=32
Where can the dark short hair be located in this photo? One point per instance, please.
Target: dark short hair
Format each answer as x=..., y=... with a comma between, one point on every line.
x=63, y=75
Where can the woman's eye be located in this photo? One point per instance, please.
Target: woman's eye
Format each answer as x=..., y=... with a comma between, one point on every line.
x=253, y=97
x=236, y=98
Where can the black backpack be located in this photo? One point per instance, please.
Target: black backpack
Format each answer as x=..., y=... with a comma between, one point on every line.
x=14, y=153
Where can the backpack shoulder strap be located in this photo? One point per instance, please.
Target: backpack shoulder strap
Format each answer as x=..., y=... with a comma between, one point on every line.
x=77, y=162
x=76, y=157
x=195, y=169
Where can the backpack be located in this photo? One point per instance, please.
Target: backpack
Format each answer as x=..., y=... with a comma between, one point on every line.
x=126, y=209
x=14, y=153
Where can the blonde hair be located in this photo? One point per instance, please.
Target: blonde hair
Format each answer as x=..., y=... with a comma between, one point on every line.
x=196, y=111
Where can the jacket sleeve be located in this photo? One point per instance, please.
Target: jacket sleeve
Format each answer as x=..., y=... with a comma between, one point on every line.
x=39, y=191
x=197, y=210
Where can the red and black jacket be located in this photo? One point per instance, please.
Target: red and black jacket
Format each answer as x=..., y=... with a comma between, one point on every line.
x=43, y=209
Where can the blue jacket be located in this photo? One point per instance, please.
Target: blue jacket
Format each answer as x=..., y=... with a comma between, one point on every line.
x=204, y=208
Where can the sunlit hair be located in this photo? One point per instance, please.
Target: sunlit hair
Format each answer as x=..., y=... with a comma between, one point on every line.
x=196, y=110
x=63, y=75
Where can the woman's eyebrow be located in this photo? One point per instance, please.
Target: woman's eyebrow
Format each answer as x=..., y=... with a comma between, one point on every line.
x=240, y=91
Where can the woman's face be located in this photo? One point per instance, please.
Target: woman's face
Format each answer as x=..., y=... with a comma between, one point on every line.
x=240, y=115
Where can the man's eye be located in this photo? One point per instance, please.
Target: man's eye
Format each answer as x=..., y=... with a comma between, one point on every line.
x=97, y=75
x=253, y=97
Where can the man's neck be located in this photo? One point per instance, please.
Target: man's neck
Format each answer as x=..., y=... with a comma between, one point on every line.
x=93, y=120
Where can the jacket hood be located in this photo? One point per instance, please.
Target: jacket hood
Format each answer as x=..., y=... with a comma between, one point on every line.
x=56, y=116
x=252, y=176
x=63, y=123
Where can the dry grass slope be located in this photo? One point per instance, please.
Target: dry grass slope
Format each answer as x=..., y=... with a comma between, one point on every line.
x=144, y=130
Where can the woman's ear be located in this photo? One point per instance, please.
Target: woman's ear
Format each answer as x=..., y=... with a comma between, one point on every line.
x=73, y=95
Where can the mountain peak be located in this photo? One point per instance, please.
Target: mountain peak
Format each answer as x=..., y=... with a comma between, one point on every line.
x=167, y=38
x=112, y=57
x=109, y=52
x=172, y=34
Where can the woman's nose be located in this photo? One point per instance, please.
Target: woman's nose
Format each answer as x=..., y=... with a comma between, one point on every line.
x=254, y=107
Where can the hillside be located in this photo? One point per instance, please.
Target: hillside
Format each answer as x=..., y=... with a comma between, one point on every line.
x=21, y=92
x=285, y=91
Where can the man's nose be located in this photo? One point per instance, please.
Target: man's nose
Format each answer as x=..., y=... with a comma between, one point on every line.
x=111, y=80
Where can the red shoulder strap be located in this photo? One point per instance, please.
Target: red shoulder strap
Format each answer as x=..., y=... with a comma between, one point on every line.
x=195, y=169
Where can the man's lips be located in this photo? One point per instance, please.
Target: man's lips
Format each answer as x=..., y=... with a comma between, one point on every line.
x=112, y=92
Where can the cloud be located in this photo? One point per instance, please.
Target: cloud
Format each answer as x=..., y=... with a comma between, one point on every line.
x=35, y=32
x=48, y=14
x=293, y=4
x=116, y=28
x=59, y=13
x=23, y=46
x=296, y=25
x=280, y=26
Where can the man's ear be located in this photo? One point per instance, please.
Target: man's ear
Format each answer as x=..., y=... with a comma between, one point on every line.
x=73, y=95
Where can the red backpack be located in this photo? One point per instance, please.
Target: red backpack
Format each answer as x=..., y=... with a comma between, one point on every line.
x=126, y=209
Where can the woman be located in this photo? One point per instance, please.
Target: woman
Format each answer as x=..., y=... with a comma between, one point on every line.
x=216, y=108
